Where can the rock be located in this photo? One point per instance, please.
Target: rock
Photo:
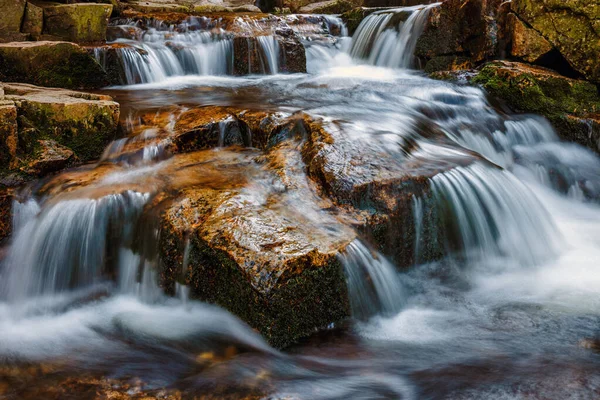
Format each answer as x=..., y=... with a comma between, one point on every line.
x=573, y=27
x=11, y=18
x=54, y=64
x=379, y=188
x=80, y=23
x=254, y=247
x=250, y=59
x=459, y=34
x=354, y=17
x=591, y=344
x=6, y=203
x=571, y=105
x=83, y=122
x=49, y=157
x=8, y=134
x=33, y=23
x=524, y=43
x=329, y=7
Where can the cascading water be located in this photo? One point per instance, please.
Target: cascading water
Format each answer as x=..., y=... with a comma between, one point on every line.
x=65, y=245
x=505, y=315
x=374, y=287
x=386, y=39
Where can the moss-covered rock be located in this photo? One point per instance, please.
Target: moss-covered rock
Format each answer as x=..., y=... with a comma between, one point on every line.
x=571, y=105
x=572, y=26
x=524, y=43
x=8, y=134
x=84, y=123
x=330, y=7
x=80, y=22
x=54, y=64
x=33, y=22
x=11, y=16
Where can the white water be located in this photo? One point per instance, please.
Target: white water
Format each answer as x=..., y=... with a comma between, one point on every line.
x=500, y=319
x=373, y=284
x=381, y=43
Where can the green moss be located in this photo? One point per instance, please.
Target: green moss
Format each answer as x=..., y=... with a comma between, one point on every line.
x=87, y=135
x=548, y=95
x=63, y=65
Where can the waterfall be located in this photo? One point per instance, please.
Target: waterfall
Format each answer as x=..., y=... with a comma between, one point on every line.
x=65, y=245
x=385, y=40
x=489, y=212
x=374, y=286
x=269, y=54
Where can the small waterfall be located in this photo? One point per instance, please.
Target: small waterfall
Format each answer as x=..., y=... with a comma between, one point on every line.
x=418, y=212
x=374, y=286
x=269, y=50
x=385, y=40
x=489, y=212
x=65, y=245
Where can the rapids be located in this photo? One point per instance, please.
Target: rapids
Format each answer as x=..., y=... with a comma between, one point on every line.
x=500, y=316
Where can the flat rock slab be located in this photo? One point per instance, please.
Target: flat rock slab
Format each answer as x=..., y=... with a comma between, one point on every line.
x=83, y=122
x=54, y=64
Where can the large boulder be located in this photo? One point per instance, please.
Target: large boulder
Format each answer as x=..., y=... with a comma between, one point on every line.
x=85, y=123
x=572, y=26
x=571, y=105
x=54, y=64
x=80, y=22
x=459, y=34
x=523, y=42
x=258, y=242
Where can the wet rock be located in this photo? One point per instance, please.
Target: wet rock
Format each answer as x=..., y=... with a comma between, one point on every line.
x=525, y=43
x=54, y=64
x=330, y=7
x=10, y=19
x=265, y=253
x=6, y=200
x=33, y=22
x=573, y=27
x=379, y=187
x=571, y=105
x=249, y=58
x=80, y=23
x=353, y=18
x=49, y=157
x=83, y=122
x=459, y=34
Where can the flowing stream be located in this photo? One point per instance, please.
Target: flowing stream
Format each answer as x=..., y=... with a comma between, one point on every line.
x=501, y=315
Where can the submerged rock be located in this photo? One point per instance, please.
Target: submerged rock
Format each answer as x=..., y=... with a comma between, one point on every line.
x=54, y=64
